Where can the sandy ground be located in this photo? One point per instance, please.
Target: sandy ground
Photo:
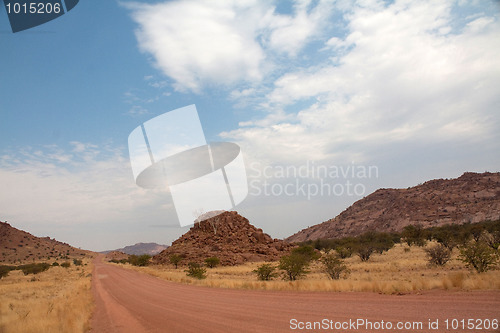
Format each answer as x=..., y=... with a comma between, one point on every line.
x=128, y=301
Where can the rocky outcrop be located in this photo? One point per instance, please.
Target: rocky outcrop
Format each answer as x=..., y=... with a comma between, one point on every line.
x=471, y=198
x=228, y=236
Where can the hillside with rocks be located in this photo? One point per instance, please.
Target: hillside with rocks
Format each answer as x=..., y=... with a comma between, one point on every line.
x=17, y=246
x=471, y=198
x=228, y=236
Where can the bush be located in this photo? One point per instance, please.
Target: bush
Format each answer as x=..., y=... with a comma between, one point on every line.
x=414, y=235
x=55, y=263
x=77, y=262
x=334, y=266
x=445, y=237
x=142, y=260
x=306, y=251
x=295, y=266
x=265, y=272
x=66, y=264
x=344, y=252
x=34, y=268
x=175, y=259
x=478, y=255
x=438, y=254
x=196, y=271
x=212, y=262
x=4, y=271
x=364, y=252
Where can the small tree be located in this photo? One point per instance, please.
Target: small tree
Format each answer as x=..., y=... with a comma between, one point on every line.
x=334, y=267
x=438, y=254
x=196, y=271
x=65, y=264
x=445, y=237
x=414, y=235
x=34, y=268
x=478, y=255
x=344, y=251
x=175, y=259
x=364, y=252
x=307, y=251
x=295, y=266
x=265, y=272
x=212, y=262
x=142, y=260
x=4, y=271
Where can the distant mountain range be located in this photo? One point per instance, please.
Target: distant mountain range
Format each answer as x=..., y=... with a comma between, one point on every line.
x=141, y=248
x=17, y=246
x=471, y=198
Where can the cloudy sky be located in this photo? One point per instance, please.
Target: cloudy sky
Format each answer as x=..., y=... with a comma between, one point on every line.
x=328, y=100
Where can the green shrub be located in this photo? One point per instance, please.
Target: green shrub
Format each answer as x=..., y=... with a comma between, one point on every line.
x=175, y=259
x=334, y=266
x=196, y=271
x=414, y=235
x=364, y=251
x=55, y=263
x=34, y=268
x=65, y=264
x=479, y=256
x=212, y=262
x=295, y=266
x=142, y=260
x=4, y=270
x=306, y=251
x=265, y=272
x=438, y=254
x=77, y=262
x=344, y=251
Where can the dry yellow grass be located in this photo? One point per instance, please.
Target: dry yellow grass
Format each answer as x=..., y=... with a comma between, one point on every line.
x=395, y=271
x=57, y=300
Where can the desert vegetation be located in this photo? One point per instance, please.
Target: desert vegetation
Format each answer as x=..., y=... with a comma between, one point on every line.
x=42, y=297
x=394, y=271
x=135, y=260
x=450, y=257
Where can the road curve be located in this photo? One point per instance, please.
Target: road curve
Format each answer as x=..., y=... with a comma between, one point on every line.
x=128, y=301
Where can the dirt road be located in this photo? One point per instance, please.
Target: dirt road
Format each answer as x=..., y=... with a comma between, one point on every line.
x=127, y=301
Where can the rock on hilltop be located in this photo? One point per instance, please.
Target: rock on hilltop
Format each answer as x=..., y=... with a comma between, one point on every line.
x=471, y=198
x=228, y=236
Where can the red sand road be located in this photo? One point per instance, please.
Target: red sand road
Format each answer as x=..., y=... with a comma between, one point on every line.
x=128, y=301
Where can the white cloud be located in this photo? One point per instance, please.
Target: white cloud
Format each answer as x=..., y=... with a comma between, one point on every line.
x=84, y=185
x=196, y=43
x=400, y=74
x=200, y=44
x=137, y=110
x=290, y=33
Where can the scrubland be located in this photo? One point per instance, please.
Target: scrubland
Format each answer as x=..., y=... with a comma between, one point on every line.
x=57, y=300
x=402, y=269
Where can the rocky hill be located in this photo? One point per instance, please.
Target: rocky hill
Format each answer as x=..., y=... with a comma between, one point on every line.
x=228, y=236
x=141, y=248
x=17, y=246
x=471, y=198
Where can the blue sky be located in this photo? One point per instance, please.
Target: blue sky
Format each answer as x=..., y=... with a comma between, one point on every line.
x=408, y=87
